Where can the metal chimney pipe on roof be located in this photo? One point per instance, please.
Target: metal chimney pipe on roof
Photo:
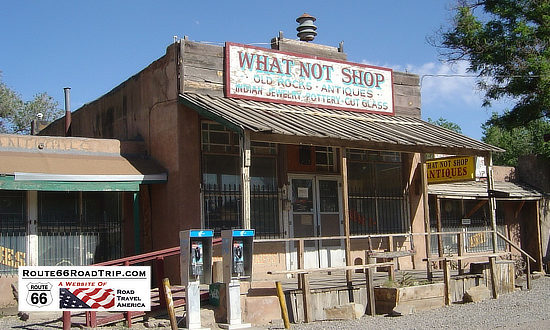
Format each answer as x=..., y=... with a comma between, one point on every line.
x=67, y=111
x=306, y=29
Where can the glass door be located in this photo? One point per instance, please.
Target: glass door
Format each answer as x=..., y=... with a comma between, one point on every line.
x=331, y=251
x=316, y=212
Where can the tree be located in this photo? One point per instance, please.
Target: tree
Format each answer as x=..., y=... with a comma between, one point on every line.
x=507, y=45
x=446, y=124
x=16, y=115
x=517, y=141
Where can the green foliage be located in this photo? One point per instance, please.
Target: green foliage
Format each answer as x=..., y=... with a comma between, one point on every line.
x=406, y=279
x=507, y=45
x=517, y=141
x=446, y=124
x=16, y=115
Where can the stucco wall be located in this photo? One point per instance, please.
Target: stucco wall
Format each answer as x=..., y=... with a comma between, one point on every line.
x=145, y=108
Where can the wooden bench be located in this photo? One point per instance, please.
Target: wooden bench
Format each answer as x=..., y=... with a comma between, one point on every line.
x=303, y=277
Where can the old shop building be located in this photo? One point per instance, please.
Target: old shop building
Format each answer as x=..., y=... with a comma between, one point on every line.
x=464, y=207
x=68, y=201
x=282, y=140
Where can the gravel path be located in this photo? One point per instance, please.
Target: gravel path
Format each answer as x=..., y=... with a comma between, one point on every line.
x=518, y=310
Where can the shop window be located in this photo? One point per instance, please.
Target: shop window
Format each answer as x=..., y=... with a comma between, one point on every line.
x=378, y=199
x=264, y=208
x=303, y=158
x=78, y=228
x=324, y=159
x=215, y=138
x=12, y=211
x=221, y=188
x=470, y=216
x=12, y=230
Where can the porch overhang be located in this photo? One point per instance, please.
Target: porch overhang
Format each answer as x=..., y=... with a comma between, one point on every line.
x=296, y=124
x=76, y=172
x=478, y=190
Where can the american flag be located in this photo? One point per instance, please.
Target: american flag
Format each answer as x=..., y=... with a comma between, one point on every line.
x=86, y=298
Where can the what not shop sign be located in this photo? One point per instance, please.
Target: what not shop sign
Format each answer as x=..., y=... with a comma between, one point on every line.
x=268, y=75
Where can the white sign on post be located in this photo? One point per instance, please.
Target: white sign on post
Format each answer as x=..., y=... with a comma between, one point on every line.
x=268, y=75
x=84, y=288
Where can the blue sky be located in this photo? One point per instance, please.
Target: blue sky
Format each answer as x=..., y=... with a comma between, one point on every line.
x=92, y=46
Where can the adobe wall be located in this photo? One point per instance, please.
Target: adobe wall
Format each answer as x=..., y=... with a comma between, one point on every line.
x=145, y=108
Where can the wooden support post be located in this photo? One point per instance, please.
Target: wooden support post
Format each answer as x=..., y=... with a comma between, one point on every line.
x=539, y=237
x=493, y=270
x=246, y=160
x=128, y=316
x=137, y=225
x=439, y=228
x=391, y=269
x=369, y=277
x=159, y=269
x=528, y=278
x=345, y=211
x=32, y=228
x=300, y=257
x=492, y=200
x=66, y=320
x=447, y=280
x=282, y=303
x=306, y=298
x=427, y=237
x=169, y=303
x=460, y=241
x=91, y=319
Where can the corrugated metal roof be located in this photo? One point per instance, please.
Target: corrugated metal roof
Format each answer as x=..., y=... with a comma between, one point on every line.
x=395, y=133
x=478, y=189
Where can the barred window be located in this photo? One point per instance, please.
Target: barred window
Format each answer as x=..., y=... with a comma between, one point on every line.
x=221, y=188
x=378, y=200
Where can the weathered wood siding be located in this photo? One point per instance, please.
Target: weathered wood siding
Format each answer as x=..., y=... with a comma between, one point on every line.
x=203, y=73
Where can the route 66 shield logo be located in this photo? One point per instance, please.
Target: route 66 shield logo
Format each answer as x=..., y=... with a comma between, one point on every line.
x=39, y=294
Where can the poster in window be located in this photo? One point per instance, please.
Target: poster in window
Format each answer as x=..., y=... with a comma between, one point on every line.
x=303, y=192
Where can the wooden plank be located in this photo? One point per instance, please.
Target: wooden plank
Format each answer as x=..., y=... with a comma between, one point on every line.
x=447, y=281
x=439, y=225
x=539, y=237
x=202, y=49
x=528, y=275
x=203, y=88
x=369, y=276
x=361, y=144
x=246, y=159
x=406, y=90
x=393, y=254
x=407, y=111
x=403, y=78
x=492, y=200
x=409, y=101
x=308, y=316
x=460, y=240
x=202, y=61
x=345, y=210
x=202, y=74
x=329, y=269
x=492, y=269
